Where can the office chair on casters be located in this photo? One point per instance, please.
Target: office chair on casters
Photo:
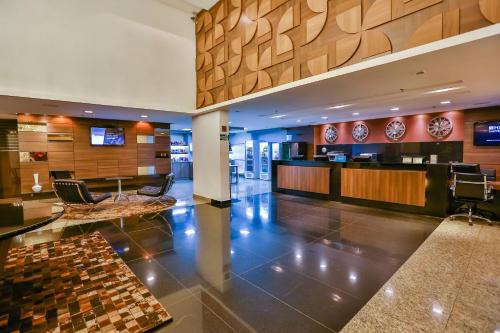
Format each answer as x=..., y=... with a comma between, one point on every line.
x=471, y=189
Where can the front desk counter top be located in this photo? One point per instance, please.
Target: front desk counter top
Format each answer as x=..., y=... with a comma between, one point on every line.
x=415, y=188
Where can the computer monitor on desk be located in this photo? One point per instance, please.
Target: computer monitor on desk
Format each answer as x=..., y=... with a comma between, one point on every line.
x=465, y=167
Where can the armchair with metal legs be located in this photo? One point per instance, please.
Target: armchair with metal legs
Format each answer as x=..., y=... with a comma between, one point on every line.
x=158, y=192
x=471, y=189
x=75, y=192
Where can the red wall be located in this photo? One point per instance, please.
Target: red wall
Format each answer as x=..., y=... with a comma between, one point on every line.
x=416, y=129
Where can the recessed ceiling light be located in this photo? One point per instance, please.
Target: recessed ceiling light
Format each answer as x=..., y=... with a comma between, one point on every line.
x=278, y=116
x=443, y=90
x=144, y=115
x=445, y=102
x=339, y=106
x=229, y=122
x=355, y=113
x=324, y=117
x=88, y=111
x=299, y=120
x=395, y=108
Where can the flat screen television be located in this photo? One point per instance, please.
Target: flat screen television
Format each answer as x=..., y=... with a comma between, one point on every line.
x=487, y=133
x=107, y=136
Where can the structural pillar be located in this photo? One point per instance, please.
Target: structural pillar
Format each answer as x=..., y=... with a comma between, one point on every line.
x=211, y=157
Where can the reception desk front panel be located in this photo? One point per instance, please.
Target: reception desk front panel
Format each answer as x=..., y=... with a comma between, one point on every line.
x=307, y=179
x=405, y=187
x=414, y=188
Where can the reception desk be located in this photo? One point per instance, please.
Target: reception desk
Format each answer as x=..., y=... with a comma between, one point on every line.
x=416, y=188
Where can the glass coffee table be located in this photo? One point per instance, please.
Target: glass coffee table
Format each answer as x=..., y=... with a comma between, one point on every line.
x=120, y=195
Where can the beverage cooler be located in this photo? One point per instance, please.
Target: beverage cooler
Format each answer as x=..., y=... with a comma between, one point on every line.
x=252, y=159
x=265, y=153
x=276, y=151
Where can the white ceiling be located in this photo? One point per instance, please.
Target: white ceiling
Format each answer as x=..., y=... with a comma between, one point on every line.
x=473, y=68
x=189, y=6
x=10, y=105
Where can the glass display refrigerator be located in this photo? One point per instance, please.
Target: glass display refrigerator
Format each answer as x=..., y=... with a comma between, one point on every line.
x=252, y=159
x=276, y=151
x=265, y=153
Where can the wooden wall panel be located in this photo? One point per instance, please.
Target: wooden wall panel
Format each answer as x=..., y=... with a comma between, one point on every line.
x=89, y=162
x=86, y=169
x=162, y=165
x=308, y=179
x=488, y=157
x=395, y=186
x=27, y=180
x=258, y=41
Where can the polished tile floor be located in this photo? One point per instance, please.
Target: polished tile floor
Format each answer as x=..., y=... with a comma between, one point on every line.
x=269, y=263
x=450, y=284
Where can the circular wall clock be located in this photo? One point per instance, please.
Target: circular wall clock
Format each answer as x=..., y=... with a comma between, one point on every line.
x=360, y=132
x=395, y=129
x=439, y=127
x=331, y=134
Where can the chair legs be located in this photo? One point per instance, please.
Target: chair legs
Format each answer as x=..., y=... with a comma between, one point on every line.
x=470, y=216
x=158, y=214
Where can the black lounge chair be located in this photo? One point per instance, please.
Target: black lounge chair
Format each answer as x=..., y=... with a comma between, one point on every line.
x=76, y=192
x=158, y=192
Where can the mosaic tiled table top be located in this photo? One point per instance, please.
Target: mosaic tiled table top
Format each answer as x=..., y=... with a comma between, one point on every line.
x=76, y=284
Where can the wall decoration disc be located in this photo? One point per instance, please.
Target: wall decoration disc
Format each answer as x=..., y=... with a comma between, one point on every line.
x=331, y=134
x=439, y=127
x=360, y=132
x=395, y=129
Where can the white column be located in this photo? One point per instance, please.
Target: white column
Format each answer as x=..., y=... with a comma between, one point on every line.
x=211, y=156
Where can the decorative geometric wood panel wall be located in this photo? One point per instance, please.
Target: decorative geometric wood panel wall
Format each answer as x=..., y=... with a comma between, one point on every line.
x=244, y=46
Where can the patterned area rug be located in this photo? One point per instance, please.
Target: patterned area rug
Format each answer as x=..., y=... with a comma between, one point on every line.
x=76, y=284
x=108, y=209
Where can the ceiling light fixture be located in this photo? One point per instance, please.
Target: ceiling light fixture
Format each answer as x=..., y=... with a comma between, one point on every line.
x=299, y=120
x=229, y=122
x=355, y=113
x=324, y=117
x=88, y=111
x=339, y=106
x=437, y=91
x=395, y=108
x=278, y=116
x=144, y=116
x=445, y=102
x=186, y=129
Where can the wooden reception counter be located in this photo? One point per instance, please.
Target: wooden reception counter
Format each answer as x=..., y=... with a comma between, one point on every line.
x=416, y=188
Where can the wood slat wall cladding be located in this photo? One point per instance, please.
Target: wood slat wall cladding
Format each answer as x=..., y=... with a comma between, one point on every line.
x=308, y=179
x=396, y=186
x=488, y=157
x=86, y=161
x=244, y=46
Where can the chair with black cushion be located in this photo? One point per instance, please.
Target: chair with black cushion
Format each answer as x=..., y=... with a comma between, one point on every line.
x=471, y=189
x=76, y=192
x=158, y=192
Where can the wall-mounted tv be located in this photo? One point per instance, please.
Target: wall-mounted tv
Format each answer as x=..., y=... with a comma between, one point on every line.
x=487, y=133
x=107, y=136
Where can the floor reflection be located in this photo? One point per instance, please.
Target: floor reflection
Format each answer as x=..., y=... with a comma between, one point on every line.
x=269, y=263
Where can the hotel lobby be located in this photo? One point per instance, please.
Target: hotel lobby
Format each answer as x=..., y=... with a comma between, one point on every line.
x=250, y=166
